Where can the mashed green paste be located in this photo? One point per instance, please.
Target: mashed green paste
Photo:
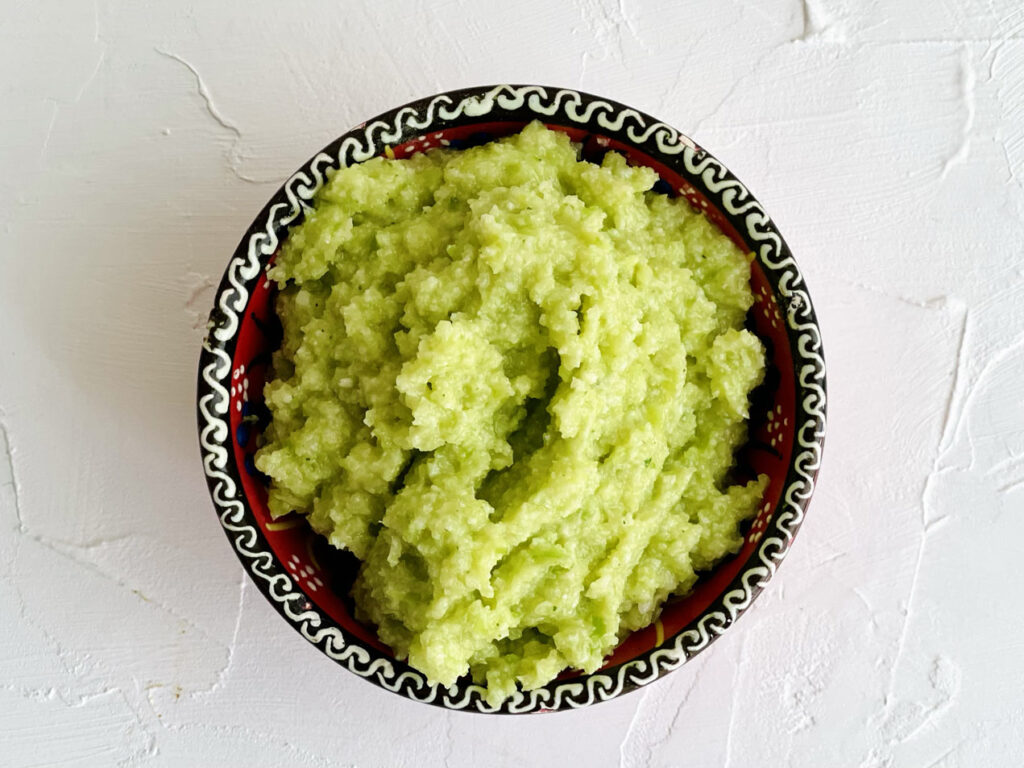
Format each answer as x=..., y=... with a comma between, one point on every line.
x=512, y=383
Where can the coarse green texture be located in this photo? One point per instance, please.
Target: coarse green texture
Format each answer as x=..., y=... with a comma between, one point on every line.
x=511, y=383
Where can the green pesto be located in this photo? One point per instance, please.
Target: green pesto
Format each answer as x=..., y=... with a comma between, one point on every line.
x=512, y=383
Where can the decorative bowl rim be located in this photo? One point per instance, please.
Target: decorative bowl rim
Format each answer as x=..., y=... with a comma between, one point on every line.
x=518, y=103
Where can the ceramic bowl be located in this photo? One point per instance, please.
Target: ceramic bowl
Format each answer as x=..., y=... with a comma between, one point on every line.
x=308, y=582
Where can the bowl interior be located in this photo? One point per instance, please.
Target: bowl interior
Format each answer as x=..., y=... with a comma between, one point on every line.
x=325, y=574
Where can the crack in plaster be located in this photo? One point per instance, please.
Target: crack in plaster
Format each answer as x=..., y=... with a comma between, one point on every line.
x=82, y=89
x=945, y=679
x=69, y=555
x=986, y=370
x=831, y=559
x=235, y=156
x=756, y=9
x=968, y=83
x=741, y=662
x=859, y=593
x=682, y=69
x=927, y=526
x=733, y=88
x=198, y=286
x=222, y=674
x=946, y=436
x=1010, y=464
x=449, y=742
x=807, y=17
x=204, y=92
x=817, y=26
x=96, y=21
x=1010, y=486
x=63, y=656
x=9, y=455
x=92, y=77
x=655, y=700
x=54, y=109
x=941, y=758
x=82, y=546
x=47, y=695
x=252, y=736
x=609, y=25
x=200, y=283
x=77, y=670
x=936, y=302
x=64, y=696
x=623, y=756
x=151, y=748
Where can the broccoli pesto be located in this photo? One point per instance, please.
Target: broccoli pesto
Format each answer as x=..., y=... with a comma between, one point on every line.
x=512, y=383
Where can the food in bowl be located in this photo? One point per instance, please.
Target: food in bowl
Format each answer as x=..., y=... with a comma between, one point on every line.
x=512, y=383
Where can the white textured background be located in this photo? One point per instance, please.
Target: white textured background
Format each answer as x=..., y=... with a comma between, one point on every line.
x=137, y=142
